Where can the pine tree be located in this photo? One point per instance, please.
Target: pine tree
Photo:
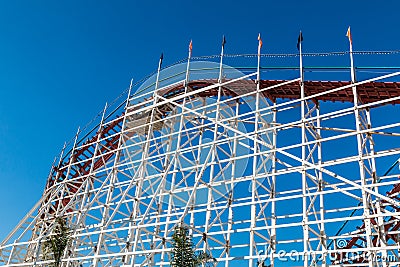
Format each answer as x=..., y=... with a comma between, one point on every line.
x=55, y=245
x=183, y=253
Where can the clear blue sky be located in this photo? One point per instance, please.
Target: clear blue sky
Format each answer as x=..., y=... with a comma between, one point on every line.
x=60, y=61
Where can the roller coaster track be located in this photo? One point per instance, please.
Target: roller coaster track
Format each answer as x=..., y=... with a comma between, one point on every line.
x=110, y=135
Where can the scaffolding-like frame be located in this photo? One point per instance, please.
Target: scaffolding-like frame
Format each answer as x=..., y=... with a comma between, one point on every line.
x=145, y=167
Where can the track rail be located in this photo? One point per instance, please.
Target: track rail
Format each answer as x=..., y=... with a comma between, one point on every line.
x=110, y=135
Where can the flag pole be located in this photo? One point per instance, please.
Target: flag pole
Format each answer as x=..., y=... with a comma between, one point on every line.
x=188, y=64
x=220, y=63
x=353, y=71
x=259, y=60
x=299, y=46
x=159, y=69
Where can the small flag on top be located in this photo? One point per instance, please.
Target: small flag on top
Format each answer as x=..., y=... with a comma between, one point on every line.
x=259, y=40
x=299, y=40
x=223, y=41
x=161, y=58
x=348, y=34
x=190, y=46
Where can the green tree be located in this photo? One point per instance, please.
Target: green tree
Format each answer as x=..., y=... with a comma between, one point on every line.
x=57, y=242
x=183, y=253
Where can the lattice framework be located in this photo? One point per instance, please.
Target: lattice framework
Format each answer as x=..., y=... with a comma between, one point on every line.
x=240, y=163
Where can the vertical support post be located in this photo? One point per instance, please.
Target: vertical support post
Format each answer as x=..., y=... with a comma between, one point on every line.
x=303, y=157
x=232, y=186
x=363, y=150
x=110, y=190
x=365, y=196
x=255, y=159
x=166, y=167
x=142, y=174
x=381, y=238
x=273, y=190
x=159, y=209
x=321, y=186
x=213, y=151
x=314, y=236
x=176, y=154
x=198, y=159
